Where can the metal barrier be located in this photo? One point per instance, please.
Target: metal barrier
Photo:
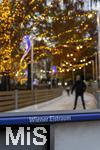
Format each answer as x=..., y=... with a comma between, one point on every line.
x=11, y=100
x=7, y=101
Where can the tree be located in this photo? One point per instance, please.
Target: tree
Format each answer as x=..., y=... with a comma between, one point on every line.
x=64, y=28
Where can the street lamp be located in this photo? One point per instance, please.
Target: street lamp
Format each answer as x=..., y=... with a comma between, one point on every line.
x=29, y=45
x=33, y=39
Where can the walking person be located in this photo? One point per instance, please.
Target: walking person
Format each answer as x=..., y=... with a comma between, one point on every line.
x=79, y=87
x=68, y=90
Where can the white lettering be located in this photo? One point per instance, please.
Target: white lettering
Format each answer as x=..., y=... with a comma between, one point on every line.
x=9, y=134
x=40, y=136
x=28, y=136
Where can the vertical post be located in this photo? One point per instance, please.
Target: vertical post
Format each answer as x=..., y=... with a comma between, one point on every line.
x=16, y=99
x=93, y=69
x=96, y=67
x=84, y=69
x=32, y=47
x=32, y=61
x=98, y=26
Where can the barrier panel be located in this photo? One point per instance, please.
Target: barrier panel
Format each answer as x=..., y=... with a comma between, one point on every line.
x=7, y=101
x=47, y=94
x=25, y=99
x=11, y=100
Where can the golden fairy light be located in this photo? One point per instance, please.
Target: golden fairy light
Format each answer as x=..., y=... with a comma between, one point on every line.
x=16, y=23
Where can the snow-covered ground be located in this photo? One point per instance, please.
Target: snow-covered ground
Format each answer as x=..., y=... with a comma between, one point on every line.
x=63, y=102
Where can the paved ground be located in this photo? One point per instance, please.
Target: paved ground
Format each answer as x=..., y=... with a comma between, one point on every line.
x=63, y=102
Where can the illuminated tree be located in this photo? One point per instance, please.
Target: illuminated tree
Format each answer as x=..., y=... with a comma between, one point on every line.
x=15, y=17
x=61, y=28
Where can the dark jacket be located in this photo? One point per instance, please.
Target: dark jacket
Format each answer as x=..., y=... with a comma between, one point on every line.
x=79, y=87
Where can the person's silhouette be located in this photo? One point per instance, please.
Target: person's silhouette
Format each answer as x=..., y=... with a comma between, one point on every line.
x=79, y=87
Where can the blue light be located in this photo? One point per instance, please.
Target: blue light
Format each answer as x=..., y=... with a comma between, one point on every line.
x=54, y=68
x=28, y=43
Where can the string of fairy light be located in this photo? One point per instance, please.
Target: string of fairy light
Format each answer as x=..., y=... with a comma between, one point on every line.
x=89, y=15
x=15, y=20
x=43, y=17
x=67, y=66
x=61, y=34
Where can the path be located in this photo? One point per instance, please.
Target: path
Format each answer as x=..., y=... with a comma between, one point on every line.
x=63, y=102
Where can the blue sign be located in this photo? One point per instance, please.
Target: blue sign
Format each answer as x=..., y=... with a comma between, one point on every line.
x=49, y=118
x=27, y=42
